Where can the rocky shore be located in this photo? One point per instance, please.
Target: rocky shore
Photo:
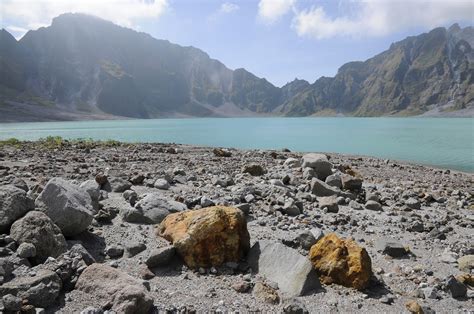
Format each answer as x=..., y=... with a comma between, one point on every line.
x=106, y=227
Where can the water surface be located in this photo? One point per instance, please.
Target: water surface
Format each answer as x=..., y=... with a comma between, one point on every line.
x=441, y=142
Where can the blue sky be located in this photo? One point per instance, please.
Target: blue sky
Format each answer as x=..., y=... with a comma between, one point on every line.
x=276, y=39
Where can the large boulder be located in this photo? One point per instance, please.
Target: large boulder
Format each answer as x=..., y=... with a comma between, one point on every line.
x=40, y=290
x=207, y=237
x=351, y=183
x=334, y=180
x=320, y=188
x=124, y=293
x=341, y=261
x=38, y=229
x=69, y=206
x=14, y=203
x=152, y=209
x=293, y=272
x=93, y=189
x=329, y=202
x=320, y=164
x=117, y=185
x=292, y=163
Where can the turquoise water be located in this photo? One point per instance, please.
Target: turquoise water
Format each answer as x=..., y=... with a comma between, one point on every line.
x=441, y=142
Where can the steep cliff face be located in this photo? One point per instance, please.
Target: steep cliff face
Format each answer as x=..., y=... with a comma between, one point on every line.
x=411, y=77
x=90, y=64
x=12, y=63
x=87, y=65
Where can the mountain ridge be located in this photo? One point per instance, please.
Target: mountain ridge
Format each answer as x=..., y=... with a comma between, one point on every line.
x=85, y=65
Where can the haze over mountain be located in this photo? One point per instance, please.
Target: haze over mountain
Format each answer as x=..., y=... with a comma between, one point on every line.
x=84, y=67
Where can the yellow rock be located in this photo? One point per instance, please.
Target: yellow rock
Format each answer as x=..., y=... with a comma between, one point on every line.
x=414, y=307
x=341, y=261
x=466, y=279
x=207, y=237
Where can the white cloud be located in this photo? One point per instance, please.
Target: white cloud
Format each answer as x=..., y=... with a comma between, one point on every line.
x=228, y=7
x=381, y=17
x=34, y=13
x=272, y=10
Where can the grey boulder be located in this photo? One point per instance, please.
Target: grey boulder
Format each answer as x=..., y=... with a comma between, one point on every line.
x=292, y=163
x=392, y=248
x=456, y=288
x=162, y=184
x=413, y=203
x=308, y=238
x=69, y=206
x=351, y=183
x=354, y=205
x=14, y=203
x=26, y=250
x=320, y=188
x=118, y=185
x=93, y=189
x=151, y=209
x=334, y=180
x=6, y=269
x=40, y=290
x=124, y=293
x=160, y=257
x=292, y=271
x=12, y=303
x=38, y=229
x=330, y=203
x=320, y=164
x=373, y=205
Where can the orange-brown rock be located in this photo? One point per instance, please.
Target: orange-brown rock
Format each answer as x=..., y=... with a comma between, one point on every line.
x=467, y=279
x=207, y=237
x=413, y=307
x=341, y=261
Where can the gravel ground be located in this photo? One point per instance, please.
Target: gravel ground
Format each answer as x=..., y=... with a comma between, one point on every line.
x=444, y=197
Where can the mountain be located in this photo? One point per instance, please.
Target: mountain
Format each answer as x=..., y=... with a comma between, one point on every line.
x=86, y=64
x=83, y=67
x=421, y=73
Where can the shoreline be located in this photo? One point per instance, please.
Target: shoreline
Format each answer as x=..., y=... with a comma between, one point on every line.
x=107, y=117
x=104, y=142
x=421, y=216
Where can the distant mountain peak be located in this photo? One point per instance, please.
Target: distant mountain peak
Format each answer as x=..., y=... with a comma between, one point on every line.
x=84, y=64
x=454, y=28
x=78, y=17
x=6, y=36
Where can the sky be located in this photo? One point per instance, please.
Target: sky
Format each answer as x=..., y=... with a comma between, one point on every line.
x=279, y=40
